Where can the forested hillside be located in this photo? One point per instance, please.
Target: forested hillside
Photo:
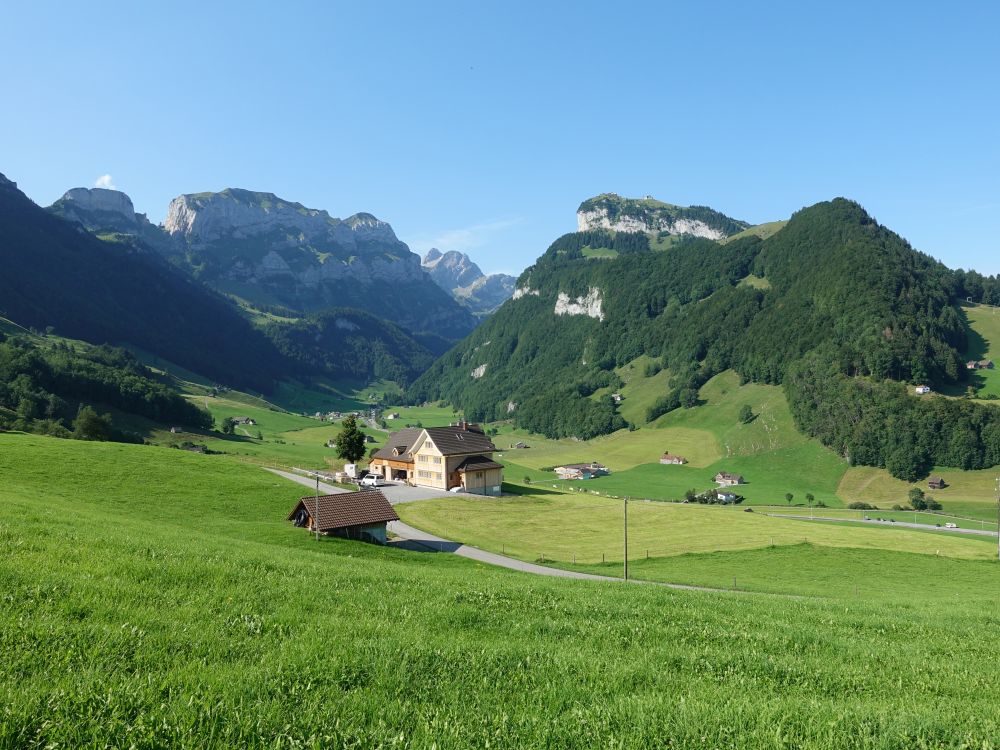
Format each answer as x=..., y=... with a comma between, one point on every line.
x=849, y=311
x=48, y=389
x=344, y=342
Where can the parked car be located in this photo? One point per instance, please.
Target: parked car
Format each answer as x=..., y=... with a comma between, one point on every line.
x=951, y=525
x=372, y=480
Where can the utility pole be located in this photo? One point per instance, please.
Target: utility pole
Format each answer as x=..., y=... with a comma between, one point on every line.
x=626, y=537
x=998, y=518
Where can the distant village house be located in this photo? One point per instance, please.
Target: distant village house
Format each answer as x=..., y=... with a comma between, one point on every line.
x=725, y=479
x=351, y=515
x=244, y=420
x=982, y=364
x=936, y=483
x=582, y=471
x=670, y=458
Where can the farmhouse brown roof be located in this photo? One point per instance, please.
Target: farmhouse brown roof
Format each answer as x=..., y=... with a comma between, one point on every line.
x=346, y=509
x=405, y=438
x=452, y=441
x=478, y=463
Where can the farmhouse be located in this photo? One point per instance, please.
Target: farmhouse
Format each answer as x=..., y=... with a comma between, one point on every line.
x=352, y=515
x=726, y=498
x=725, y=479
x=442, y=458
x=936, y=483
x=669, y=458
x=922, y=389
x=244, y=420
x=582, y=471
x=617, y=398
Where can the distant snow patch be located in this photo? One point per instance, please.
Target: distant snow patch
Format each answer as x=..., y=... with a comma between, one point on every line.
x=590, y=305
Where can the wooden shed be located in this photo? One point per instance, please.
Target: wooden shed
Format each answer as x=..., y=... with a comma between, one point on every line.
x=352, y=515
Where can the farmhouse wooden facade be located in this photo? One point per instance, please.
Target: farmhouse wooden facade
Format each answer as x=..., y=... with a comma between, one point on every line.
x=441, y=457
x=353, y=515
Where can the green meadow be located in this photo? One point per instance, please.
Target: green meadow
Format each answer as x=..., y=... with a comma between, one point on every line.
x=155, y=598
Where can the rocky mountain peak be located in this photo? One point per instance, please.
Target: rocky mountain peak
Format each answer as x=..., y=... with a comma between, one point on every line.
x=451, y=269
x=458, y=274
x=99, y=209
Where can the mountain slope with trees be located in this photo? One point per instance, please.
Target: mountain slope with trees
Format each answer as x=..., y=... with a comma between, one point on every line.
x=850, y=314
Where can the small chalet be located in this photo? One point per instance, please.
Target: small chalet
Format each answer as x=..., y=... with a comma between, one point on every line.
x=725, y=498
x=982, y=364
x=670, y=458
x=520, y=444
x=352, y=515
x=922, y=389
x=441, y=457
x=582, y=471
x=244, y=420
x=725, y=479
x=617, y=398
x=936, y=483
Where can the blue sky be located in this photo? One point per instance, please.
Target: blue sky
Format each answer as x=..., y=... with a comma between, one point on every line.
x=481, y=127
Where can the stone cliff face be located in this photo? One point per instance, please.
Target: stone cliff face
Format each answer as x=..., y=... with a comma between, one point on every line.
x=611, y=211
x=98, y=209
x=458, y=275
x=273, y=251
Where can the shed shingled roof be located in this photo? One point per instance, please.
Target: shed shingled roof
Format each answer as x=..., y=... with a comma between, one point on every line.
x=346, y=509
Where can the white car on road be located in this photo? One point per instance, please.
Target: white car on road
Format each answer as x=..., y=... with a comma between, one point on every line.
x=372, y=480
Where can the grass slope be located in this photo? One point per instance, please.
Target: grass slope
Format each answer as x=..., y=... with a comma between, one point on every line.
x=984, y=343
x=153, y=599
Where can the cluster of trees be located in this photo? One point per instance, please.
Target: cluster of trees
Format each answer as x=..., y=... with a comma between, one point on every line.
x=50, y=389
x=878, y=423
x=570, y=246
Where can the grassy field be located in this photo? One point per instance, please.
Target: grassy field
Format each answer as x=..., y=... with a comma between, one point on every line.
x=154, y=598
x=771, y=454
x=563, y=527
x=763, y=231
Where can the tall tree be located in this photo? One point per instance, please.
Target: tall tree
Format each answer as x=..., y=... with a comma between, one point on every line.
x=351, y=441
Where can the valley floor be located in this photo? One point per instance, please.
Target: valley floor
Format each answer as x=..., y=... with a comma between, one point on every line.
x=158, y=598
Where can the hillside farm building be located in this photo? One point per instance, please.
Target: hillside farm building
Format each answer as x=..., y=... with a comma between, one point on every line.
x=922, y=389
x=441, y=457
x=982, y=364
x=669, y=458
x=936, y=483
x=351, y=515
x=725, y=479
x=582, y=471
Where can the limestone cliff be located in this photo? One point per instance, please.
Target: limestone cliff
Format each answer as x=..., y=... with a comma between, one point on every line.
x=611, y=211
x=272, y=251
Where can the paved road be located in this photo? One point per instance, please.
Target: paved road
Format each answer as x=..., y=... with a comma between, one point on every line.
x=395, y=492
x=871, y=521
x=417, y=539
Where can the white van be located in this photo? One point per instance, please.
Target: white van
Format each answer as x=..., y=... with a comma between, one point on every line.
x=372, y=480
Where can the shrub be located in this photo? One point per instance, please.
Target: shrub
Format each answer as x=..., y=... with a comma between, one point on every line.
x=858, y=505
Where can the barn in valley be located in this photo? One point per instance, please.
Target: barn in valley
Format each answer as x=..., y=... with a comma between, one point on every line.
x=359, y=515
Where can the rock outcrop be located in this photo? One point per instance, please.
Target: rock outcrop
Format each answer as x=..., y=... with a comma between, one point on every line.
x=458, y=275
x=99, y=209
x=611, y=211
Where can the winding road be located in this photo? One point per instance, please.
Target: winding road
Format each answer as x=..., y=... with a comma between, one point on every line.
x=411, y=538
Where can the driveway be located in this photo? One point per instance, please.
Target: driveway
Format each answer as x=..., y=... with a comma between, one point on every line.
x=395, y=492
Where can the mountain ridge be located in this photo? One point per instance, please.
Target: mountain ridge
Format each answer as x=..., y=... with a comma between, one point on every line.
x=456, y=273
